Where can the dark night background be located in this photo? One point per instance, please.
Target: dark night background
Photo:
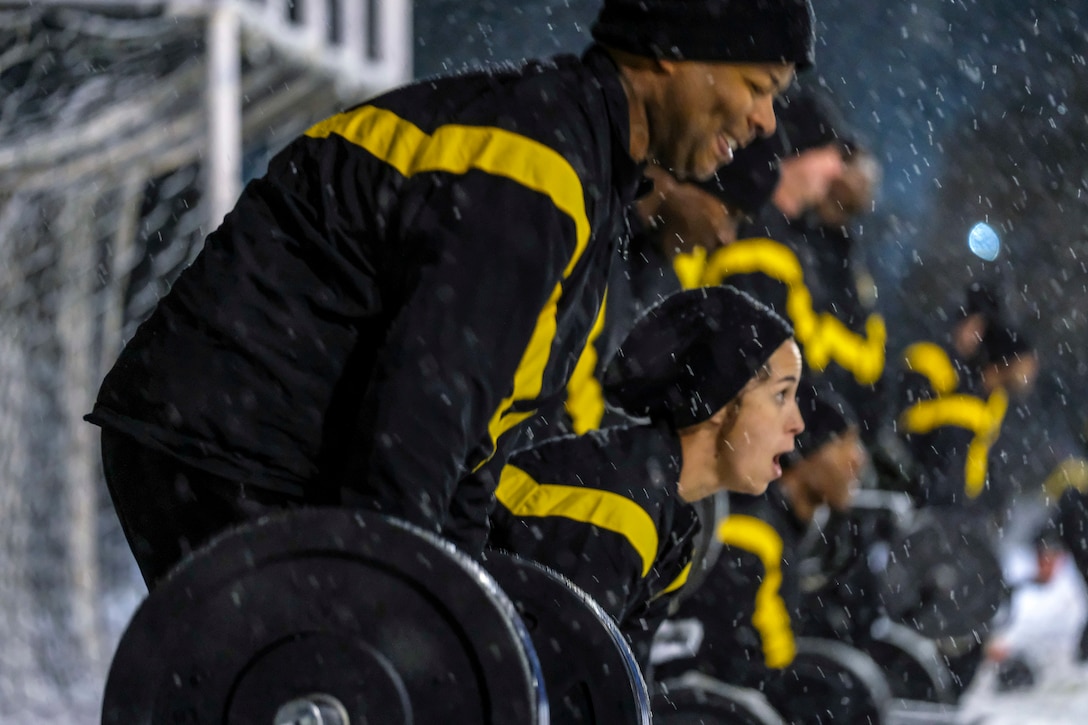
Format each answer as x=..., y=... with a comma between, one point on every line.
x=977, y=111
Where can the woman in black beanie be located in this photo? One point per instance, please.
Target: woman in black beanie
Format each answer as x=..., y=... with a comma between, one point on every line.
x=713, y=375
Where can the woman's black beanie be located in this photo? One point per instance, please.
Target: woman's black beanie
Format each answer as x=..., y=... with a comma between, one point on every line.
x=692, y=353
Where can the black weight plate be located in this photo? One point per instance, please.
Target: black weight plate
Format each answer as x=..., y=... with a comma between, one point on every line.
x=942, y=577
x=367, y=615
x=831, y=682
x=696, y=699
x=912, y=664
x=589, y=672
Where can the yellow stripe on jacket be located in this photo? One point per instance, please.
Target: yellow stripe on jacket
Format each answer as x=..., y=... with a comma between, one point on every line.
x=458, y=149
x=585, y=396
x=771, y=618
x=982, y=417
x=824, y=337
x=931, y=361
x=523, y=496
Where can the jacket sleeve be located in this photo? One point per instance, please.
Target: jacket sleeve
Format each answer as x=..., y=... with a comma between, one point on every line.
x=746, y=629
x=604, y=542
x=911, y=388
x=652, y=607
x=743, y=537
x=1069, y=517
x=485, y=261
x=941, y=457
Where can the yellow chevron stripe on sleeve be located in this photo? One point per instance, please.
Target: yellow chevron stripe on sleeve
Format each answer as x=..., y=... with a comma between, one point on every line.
x=585, y=397
x=458, y=149
x=771, y=618
x=931, y=360
x=983, y=417
x=680, y=580
x=523, y=496
x=824, y=338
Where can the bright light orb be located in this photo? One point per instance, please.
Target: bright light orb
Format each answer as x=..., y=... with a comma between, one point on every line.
x=984, y=242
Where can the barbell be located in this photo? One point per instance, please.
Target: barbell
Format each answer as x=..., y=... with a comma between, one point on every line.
x=339, y=617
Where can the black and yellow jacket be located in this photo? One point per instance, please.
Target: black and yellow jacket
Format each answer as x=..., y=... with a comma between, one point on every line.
x=740, y=624
x=406, y=285
x=603, y=510
x=949, y=424
x=789, y=266
x=640, y=278
x=802, y=271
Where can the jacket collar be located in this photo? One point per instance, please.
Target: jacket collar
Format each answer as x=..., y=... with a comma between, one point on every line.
x=627, y=174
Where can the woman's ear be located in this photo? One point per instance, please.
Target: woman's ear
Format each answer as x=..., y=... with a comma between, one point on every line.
x=726, y=416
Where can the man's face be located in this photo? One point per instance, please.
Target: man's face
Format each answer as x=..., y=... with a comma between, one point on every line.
x=706, y=111
x=834, y=468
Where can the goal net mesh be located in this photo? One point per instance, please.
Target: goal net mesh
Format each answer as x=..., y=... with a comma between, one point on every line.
x=102, y=133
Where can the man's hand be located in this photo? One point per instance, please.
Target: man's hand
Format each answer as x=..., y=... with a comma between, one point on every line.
x=684, y=216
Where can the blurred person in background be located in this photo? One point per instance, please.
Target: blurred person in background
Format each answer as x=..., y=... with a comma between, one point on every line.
x=930, y=368
x=1044, y=601
x=953, y=407
x=1066, y=491
x=954, y=400
x=1010, y=368
x=338, y=340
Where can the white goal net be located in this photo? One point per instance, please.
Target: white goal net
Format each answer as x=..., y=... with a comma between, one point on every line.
x=104, y=140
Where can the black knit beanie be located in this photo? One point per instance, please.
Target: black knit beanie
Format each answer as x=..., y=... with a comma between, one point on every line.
x=736, y=31
x=748, y=181
x=691, y=354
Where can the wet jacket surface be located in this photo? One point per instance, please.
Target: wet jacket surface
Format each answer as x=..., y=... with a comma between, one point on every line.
x=948, y=423
x=641, y=277
x=740, y=623
x=409, y=281
x=603, y=510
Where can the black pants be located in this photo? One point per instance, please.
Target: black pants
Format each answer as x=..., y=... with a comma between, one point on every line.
x=167, y=508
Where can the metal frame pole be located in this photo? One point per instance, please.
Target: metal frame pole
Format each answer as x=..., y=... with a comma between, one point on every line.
x=224, y=100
